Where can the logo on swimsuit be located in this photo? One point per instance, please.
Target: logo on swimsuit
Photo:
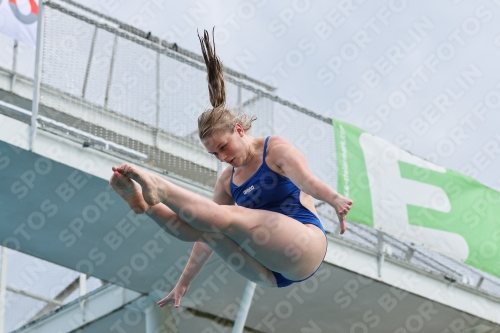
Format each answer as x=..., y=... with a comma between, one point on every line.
x=248, y=190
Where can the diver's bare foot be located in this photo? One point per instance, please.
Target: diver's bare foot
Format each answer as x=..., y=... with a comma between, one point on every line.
x=342, y=206
x=130, y=191
x=148, y=181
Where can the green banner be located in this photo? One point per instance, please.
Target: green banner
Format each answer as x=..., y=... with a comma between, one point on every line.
x=416, y=200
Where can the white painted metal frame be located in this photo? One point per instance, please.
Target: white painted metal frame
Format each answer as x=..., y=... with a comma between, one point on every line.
x=157, y=120
x=73, y=316
x=38, y=74
x=246, y=302
x=83, y=284
x=60, y=298
x=35, y=296
x=107, y=144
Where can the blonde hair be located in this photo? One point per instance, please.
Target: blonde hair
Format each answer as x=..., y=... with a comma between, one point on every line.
x=219, y=117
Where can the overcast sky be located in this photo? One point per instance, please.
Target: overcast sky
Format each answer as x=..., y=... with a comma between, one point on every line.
x=420, y=74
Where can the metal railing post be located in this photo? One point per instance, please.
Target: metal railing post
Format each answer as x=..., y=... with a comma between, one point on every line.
x=14, y=65
x=83, y=284
x=381, y=252
x=38, y=74
x=158, y=83
x=89, y=63
x=110, y=76
x=241, y=317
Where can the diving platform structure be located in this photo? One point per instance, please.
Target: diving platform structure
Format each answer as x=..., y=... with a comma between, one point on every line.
x=57, y=205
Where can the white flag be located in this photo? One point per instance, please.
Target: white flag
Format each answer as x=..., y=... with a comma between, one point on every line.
x=18, y=19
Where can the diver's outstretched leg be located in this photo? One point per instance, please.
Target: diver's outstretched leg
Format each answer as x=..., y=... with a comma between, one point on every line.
x=226, y=248
x=277, y=241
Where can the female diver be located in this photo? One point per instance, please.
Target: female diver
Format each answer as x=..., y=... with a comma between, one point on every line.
x=274, y=229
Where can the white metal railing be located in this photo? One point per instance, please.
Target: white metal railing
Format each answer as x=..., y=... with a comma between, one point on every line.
x=89, y=139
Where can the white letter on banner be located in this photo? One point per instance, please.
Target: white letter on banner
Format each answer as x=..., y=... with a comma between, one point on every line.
x=391, y=194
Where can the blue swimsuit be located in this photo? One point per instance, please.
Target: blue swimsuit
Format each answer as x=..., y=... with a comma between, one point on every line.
x=268, y=190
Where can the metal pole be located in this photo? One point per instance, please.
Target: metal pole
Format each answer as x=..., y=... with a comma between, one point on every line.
x=3, y=287
x=241, y=317
x=14, y=65
x=83, y=290
x=38, y=74
x=110, y=76
x=89, y=63
x=157, y=97
x=34, y=296
x=83, y=284
x=381, y=252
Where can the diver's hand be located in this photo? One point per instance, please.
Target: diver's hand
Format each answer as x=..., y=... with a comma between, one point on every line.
x=174, y=297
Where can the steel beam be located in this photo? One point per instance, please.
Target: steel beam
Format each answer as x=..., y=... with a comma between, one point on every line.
x=60, y=297
x=71, y=317
x=35, y=296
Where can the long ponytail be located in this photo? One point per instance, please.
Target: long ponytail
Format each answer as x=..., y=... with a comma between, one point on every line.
x=215, y=77
x=218, y=118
